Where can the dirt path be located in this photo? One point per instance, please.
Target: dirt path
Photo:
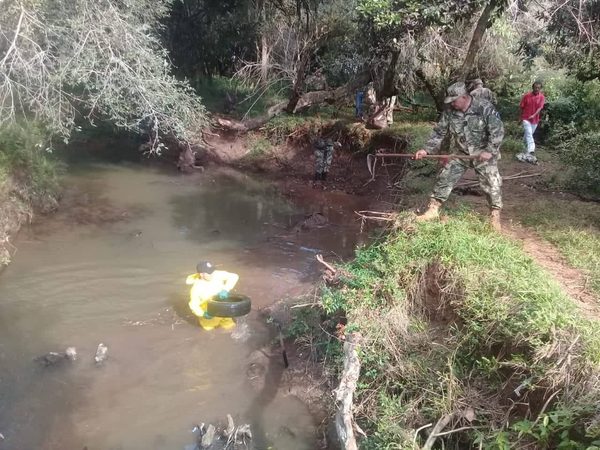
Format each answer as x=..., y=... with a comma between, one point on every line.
x=520, y=192
x=572, y=280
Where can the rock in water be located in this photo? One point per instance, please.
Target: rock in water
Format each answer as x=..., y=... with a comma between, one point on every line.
x=71, y=353
x=230, y=426
x=101, y=354
x=311, y=222
x=208, y=437
x=54, y=358
x=244, y=432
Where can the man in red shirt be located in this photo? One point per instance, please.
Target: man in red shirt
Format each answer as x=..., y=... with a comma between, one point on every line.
x=531, y=105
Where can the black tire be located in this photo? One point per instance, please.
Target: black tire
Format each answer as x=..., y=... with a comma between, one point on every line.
x=236, y=305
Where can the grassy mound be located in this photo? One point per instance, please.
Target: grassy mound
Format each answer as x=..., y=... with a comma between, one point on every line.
x=462, y=327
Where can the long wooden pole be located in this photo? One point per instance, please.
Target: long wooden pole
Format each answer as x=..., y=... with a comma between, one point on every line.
x=412, y=155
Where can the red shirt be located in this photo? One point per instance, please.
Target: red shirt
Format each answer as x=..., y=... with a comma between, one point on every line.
x=529, y=105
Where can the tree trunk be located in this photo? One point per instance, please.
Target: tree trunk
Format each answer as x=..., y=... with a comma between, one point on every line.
x=438, y=97
x=485, y=20
x=389, y=89
x=264, y=46
x=299, y=81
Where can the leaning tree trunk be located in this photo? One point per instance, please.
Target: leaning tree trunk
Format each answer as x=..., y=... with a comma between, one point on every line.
x=485, y=20
x=299, y=82
x=302, y=102
x=437, y=96
x=389, y=88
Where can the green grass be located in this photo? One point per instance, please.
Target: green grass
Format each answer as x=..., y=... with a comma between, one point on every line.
x=456, y=317
x=26, y=160
x=259, y=147
x=417, y=133
x=28, y=180
x=251, y=102
x=574, y=228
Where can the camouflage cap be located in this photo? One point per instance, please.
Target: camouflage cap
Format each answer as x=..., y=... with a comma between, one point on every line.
x=454, y=91
x=477, y=81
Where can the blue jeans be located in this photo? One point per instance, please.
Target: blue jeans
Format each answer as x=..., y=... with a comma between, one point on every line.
x=529, y=130
x=358, y=104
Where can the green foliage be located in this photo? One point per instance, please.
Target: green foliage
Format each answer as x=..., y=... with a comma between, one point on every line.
x=93, y=58
x=25, y=156
x=202, y=36
x=582, y=154
x=411, y=14
x=416, y=133
x=561, y=428
x=505, y=312
x=512, y=146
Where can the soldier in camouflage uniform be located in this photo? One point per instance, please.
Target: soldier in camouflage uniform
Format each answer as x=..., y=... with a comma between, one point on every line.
x=323, y=157
x=478, y=91
x=475, y=128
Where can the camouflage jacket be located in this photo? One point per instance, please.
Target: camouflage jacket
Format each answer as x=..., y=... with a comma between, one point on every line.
x=324, y=144
x=484, y=93
x=477, y=130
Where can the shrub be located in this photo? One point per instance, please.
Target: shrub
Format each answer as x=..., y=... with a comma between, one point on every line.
x=582, y=154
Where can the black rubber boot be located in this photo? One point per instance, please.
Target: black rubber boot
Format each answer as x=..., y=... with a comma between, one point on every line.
x=318, y=176
x=324, y=176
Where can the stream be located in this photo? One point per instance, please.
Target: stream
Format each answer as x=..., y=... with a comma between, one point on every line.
x=110, y=267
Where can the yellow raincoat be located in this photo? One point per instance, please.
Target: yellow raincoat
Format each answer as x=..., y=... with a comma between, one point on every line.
x=204, y=288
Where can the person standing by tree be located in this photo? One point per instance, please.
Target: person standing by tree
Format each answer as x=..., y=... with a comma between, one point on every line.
x=475, y=129
x=478, y=91
x=531, y=105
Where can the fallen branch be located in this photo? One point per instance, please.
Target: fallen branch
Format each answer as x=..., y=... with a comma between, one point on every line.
x=438, y=428
x=344, y=418
x=376, y=215
x=319, y=258
x=509, y=177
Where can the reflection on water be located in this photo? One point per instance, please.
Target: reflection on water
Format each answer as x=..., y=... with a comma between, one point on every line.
x=233, y=208
x=117, y=277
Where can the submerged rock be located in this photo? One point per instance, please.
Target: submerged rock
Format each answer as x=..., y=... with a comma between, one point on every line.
x=101, y=354
x=55, y=358
x=209, y=437
x=310, y=222
x=223, y=436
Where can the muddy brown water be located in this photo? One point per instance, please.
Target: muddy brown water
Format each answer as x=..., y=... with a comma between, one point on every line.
x=111, y=266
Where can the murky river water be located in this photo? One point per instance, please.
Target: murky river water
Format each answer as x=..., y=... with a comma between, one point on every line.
x=110, y=267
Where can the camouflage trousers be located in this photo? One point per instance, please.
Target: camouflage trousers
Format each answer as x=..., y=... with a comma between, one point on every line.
x=323, y=159
x=490, y=180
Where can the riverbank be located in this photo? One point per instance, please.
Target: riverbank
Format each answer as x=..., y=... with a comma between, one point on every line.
x=412, y=288
x=513, y=319
x=462, y=334
x=29, y=182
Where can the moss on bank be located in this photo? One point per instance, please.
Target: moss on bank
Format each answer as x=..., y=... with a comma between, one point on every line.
x=28, y=180
x=461, y=323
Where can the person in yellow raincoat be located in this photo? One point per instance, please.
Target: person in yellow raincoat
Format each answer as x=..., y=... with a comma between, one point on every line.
x=206, y=284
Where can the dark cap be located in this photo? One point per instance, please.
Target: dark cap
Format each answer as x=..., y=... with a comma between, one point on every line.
x=205, y=267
